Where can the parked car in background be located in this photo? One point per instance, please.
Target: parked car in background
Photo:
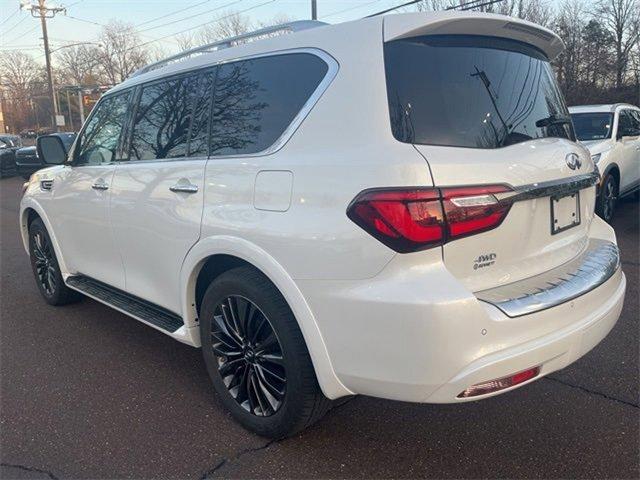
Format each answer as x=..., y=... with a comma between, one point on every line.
x=28, y=134
x=394, y=207
x=612, y=135
x=27, y=160
x=9, y=144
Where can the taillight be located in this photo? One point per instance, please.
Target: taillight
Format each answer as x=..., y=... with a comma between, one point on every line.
x=404, y=220
x=408, y=220
x=472, y=210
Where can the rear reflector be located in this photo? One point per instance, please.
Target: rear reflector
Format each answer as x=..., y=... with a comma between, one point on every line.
x=408, y=220
x=500, y=383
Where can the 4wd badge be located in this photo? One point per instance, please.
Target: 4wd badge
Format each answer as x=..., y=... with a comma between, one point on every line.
x=484, y=261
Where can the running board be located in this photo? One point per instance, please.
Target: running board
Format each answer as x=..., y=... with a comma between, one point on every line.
x=127, y=303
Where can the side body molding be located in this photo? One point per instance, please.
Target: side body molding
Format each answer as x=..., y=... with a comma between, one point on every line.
x=237, y=247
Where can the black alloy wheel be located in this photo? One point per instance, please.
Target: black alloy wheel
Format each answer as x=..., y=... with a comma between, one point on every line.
x=608, y=198
x=249, y=355
x=44, y=262
x=256, y=355
x=45, y=267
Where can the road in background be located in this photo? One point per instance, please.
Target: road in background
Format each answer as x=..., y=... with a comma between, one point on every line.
x=87, y=392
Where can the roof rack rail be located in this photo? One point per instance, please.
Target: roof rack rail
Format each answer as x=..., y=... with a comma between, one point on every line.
x=232, y=42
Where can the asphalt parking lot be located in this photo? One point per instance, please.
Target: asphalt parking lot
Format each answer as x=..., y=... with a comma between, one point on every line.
x=86, y=392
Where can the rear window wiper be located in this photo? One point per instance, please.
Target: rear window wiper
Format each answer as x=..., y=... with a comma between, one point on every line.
x=553, y=120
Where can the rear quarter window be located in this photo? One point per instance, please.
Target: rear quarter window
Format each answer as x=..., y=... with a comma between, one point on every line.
x=256, y=100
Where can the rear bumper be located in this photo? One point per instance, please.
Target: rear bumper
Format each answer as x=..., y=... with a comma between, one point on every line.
x=415, y=333
x=551, y=352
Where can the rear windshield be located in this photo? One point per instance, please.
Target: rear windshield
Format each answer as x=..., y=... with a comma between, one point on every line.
x=472, y=91
x=592, y=126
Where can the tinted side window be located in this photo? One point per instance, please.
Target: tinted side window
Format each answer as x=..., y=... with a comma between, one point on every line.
x=99, y=141
x=202, y=93
x=635, y=119
x=256, y=100
x=625, y=123
x=161, y=124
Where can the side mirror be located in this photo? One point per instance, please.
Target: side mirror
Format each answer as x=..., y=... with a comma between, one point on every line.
x=51, y=150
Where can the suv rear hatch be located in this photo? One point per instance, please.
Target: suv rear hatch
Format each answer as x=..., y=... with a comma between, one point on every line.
x=477, y=97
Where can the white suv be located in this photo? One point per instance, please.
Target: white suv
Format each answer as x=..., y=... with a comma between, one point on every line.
x=394, y=207
x=612, y=135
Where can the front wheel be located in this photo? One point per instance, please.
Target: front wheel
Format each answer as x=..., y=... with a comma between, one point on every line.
x=256, y=355
x=606, y=203
x=46, y=269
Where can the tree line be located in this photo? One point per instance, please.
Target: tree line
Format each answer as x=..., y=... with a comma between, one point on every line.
x=601, y=63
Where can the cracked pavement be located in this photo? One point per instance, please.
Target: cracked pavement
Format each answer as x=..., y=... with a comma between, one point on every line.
x=86, y=392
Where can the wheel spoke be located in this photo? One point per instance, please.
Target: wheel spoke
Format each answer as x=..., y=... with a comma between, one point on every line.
x=268, y=342
x=257, y=391
x=266, y=393
x=230, y=323
x=271, y=387
x=249, y=355
x=224, y=329
x=231, y=366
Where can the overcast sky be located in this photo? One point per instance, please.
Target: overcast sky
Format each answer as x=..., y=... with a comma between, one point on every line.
x=159, y=20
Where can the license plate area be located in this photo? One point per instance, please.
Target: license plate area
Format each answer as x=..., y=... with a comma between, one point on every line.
x=565, y=212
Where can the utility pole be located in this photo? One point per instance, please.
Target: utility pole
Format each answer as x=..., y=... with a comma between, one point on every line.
x=41, y=11
x=314, y=10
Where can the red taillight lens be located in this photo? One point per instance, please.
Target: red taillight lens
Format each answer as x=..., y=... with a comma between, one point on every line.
x=408, y=220
x=473, y=210
x=404, y=220
x=500, y=383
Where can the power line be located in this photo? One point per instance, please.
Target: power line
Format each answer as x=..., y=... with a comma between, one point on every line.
x=10, y=16
x=172, y=13
x=15, y=25
x=71, y=17
x=344, y=10
x=191, y=16
x=206, y=23
x=22, y=34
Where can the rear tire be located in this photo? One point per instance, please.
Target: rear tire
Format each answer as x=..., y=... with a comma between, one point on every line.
x=240, y=311
x=46, y=269
x=606, y=202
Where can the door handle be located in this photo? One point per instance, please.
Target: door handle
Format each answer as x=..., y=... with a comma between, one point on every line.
x=100, y=185
x=184, y=187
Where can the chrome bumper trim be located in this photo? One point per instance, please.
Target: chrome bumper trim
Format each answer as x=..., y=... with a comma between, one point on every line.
x=587, y=271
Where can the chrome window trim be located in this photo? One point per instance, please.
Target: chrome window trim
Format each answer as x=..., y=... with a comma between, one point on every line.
x=281, y=141
x=593, y=267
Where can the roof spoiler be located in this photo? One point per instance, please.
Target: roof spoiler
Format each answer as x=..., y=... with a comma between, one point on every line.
x=469, y=23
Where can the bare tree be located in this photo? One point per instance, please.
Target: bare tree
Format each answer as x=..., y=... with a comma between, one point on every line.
x=21, y=79
x=569, y=24
x=121, y=52
x=536, y=11
x=228, y=24
x=186, y=41
x=79, y=65
x=620, y=17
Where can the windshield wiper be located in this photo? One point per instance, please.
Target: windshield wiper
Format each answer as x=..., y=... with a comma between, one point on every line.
x=553, y=120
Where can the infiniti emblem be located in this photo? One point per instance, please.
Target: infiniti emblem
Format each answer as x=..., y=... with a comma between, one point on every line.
x=573, y=161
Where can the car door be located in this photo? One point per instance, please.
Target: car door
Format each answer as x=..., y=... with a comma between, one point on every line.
x=157, y=197
x=81, y=194
x=628, y=146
